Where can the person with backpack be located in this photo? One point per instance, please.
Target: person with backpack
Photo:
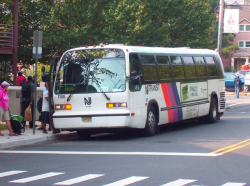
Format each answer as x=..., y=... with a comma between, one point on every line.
x=20, y=79
x=27, y=98
x=4, y=106
x=237, y=84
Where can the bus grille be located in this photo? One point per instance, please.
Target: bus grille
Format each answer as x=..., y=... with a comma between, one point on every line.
x=222, y=100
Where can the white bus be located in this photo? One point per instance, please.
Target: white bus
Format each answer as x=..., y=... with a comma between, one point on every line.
x=116, y=86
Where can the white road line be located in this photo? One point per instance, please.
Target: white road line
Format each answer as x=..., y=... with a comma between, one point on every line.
x=237, y=104
x=179, y=182
x=126, y=181
x=79, y=179
x=9, y=173
x=234, y=184
x=38, y=177
x=111, y=153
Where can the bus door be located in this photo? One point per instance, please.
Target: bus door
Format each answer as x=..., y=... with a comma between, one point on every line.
x=137, y=95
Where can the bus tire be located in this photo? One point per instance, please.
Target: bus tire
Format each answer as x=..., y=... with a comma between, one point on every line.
x=213, y=111
x=84, y=134
x=151, y=122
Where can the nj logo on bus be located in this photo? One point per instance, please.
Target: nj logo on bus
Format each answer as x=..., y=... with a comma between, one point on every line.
x=87, y=101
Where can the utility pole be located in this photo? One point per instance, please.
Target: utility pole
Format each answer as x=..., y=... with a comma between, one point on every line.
x=220, y=27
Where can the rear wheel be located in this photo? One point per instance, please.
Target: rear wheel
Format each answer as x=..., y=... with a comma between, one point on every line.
x=213, y=111
x=151, y=122
x=245, y=88
x=84, y=134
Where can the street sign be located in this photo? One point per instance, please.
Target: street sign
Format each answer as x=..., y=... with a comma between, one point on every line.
x=37, y=44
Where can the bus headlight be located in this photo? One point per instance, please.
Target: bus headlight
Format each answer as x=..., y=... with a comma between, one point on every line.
x=116, y=105
x=63, y=107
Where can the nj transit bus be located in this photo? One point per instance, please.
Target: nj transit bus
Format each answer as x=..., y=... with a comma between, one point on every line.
x=113, y=86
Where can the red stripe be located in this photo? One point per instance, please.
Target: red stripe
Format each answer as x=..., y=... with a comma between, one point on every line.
x=167, y=101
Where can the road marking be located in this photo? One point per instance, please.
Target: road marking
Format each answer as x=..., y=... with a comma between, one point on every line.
x=79, y=179
x=232, y=147
x=234, y=184
x=9, y=173
x=126, y=181
x=38, y=177
x=179, y=182
x=111, y=153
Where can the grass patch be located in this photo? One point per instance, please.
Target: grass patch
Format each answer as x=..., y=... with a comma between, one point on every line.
x=3, y=126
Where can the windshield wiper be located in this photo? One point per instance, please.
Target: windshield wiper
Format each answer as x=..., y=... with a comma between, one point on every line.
x=68, y=99
x=100, y=88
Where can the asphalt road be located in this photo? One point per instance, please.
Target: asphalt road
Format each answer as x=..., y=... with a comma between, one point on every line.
x=185, y=153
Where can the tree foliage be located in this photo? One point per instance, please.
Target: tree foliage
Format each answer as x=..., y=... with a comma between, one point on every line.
x=74, y=23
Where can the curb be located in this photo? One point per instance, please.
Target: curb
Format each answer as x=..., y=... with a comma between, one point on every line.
x=29, y=141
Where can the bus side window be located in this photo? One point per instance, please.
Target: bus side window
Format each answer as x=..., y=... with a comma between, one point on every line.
x=189, y=67
x=149, y=67
x=211, y=66
x=164, y=68
x=177, y=66
x=201, y=67
x=135, y=65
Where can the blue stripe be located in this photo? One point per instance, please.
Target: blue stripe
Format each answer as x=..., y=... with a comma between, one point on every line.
x=177, y=100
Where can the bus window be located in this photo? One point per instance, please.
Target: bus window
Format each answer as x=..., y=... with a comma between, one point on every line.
x=189, y=67
x=178, y=71
x=134, y=65
x=201, y=67
x=149, y=67
x=164, y=68
x=211, y=66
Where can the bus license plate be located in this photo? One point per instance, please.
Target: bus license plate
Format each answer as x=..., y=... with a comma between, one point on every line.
x=87, y=119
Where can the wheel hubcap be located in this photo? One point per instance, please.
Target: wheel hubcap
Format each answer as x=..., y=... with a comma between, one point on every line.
x=151, y=120
x=214, y=111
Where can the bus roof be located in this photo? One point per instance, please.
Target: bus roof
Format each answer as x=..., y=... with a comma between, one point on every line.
x=143, y=49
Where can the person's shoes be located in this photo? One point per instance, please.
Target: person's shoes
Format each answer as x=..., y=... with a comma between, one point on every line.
x=45, y=131
x=56, y=131
x=31, y=127
x=40, y=128
x=1, y=134
x=13, y=134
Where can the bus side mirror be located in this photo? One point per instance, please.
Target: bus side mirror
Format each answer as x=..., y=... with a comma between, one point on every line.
x=135, y=79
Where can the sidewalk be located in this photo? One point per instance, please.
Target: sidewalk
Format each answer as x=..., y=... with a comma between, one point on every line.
x=242, y=93
x=28, y=138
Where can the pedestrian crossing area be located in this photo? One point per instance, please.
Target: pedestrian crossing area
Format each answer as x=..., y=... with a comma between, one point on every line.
x=126, y=181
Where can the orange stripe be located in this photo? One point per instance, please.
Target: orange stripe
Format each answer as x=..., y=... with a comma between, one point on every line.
x=167, y=101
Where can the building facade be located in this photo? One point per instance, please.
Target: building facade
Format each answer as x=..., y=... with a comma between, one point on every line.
x=242, y=55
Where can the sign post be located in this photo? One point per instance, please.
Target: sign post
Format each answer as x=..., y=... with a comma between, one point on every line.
x=37, y=54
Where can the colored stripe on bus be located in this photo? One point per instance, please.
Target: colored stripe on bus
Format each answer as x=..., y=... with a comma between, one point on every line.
x=178, y=101
x=167, y=101
x=172, y=98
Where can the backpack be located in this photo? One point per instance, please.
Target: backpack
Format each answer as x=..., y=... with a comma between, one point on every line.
x=39, y=104
x=26, y=90
x=23, y=82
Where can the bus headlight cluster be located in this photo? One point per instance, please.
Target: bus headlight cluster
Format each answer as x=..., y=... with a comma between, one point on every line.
x=63, y=107
x=116, y=105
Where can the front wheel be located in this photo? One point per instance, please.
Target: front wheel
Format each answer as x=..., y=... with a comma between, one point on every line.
x=151, y=122
x=245, y=88
x=213, y=111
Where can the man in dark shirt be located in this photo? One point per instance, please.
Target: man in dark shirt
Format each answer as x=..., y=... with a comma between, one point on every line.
x=27, y=98
x=238, y=84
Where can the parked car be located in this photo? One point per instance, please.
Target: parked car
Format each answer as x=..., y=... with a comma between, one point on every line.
x=229, y=81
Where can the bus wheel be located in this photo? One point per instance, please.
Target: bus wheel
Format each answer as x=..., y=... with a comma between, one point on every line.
x=151, y=123
x=213, y=111
x=84, y=134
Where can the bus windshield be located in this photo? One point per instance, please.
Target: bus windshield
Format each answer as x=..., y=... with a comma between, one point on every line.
x=91, y=71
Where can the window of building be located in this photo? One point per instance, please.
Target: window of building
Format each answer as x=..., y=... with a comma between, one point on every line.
x=242, y=28
x=241, y=43
x=247, y=43
x=247, y=27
